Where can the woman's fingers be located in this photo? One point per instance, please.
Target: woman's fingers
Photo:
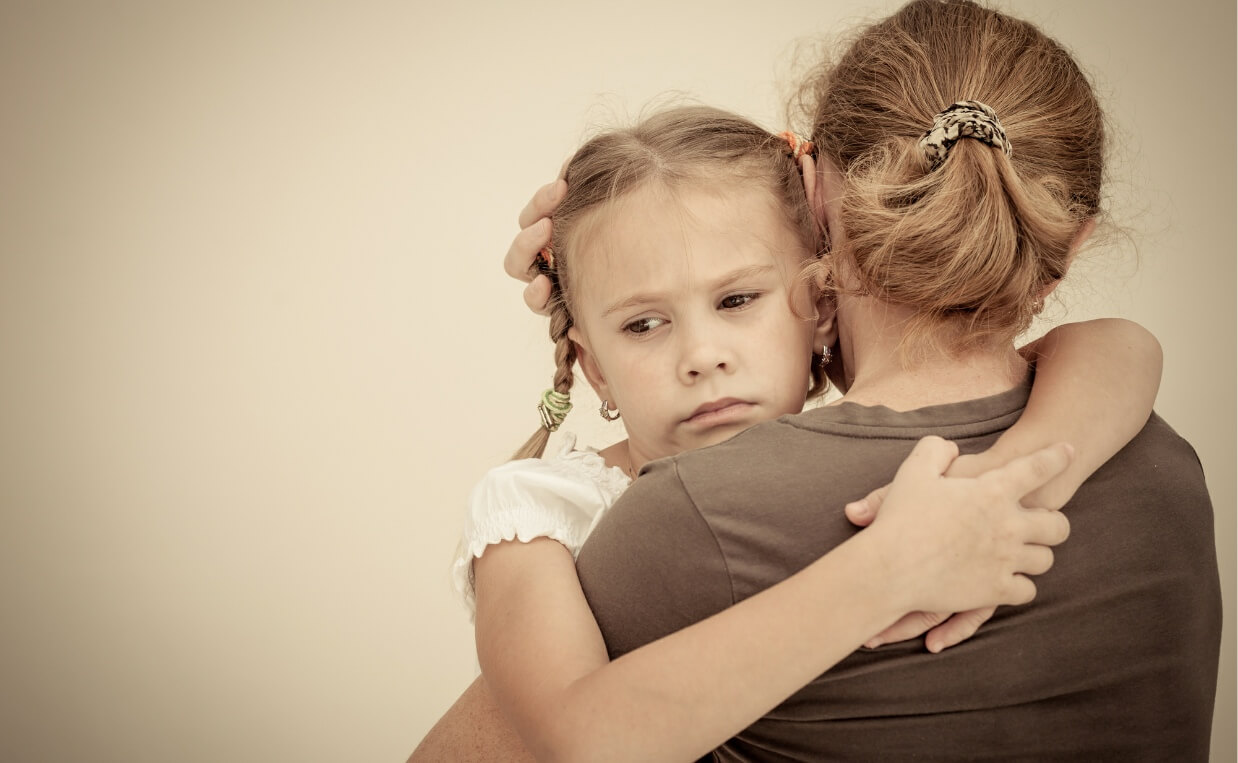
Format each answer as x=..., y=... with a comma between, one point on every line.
x=537, y=295
x=543, y=202
x=908, y=626
x=528, y=242
x=534, y=233
x=957, y=629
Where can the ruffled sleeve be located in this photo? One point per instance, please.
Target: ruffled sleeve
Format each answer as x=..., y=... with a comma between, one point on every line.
x=559, y=498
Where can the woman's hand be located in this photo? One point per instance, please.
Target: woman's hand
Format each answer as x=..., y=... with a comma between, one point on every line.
x=534, y=234
x=986, y=507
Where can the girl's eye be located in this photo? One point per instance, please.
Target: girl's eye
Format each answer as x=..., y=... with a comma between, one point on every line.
x=643, y=325
x=736, y=301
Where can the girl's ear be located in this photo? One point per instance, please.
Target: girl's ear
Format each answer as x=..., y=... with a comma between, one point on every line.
x=588, y=364
x=826, y=332
x=826, y=335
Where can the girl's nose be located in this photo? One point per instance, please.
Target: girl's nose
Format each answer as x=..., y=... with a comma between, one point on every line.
x=703, y=352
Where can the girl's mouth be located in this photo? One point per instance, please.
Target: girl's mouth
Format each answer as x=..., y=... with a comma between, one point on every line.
x=721, y=411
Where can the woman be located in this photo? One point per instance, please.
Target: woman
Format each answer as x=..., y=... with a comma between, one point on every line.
x=938, y=245
x=960, y=166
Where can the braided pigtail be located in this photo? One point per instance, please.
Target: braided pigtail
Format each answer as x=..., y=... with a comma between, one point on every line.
x=555, y=402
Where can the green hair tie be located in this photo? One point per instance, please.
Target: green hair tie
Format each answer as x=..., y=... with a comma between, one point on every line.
x=553, y=408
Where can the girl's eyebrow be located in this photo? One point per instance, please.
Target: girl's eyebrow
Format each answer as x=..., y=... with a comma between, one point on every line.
x=722, y=282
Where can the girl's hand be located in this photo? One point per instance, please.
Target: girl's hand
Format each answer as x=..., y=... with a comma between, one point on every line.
x=965, y=543
x=944, y=629
x=534, y=234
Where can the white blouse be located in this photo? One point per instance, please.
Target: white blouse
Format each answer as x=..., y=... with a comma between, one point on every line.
x=560, y=498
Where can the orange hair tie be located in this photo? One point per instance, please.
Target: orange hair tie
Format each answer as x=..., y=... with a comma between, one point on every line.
x=798, y=145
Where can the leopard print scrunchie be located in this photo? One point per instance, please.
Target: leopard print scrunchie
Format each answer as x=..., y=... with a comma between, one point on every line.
x=964, y=119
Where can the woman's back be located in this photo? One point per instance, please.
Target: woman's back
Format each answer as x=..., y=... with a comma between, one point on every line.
x=1117, y=655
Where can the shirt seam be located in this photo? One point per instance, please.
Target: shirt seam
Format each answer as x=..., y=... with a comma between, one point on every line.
x=730, y=579
x=875, y=431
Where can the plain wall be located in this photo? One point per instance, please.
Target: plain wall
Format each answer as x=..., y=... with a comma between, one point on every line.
x=256, y=343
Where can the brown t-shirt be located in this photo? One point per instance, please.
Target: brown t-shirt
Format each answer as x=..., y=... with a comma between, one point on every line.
x=1115, y=659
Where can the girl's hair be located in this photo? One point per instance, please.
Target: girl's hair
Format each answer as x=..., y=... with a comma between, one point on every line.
x=971, y=245
x=676, y=147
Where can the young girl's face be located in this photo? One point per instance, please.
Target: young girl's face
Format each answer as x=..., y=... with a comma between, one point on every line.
x=683, y=311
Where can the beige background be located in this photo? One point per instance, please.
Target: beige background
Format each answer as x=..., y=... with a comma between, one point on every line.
x=255, y=342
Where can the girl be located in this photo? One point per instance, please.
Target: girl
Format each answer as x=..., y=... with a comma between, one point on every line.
x=675, y=271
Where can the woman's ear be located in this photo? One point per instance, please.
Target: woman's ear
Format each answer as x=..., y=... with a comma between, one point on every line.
x=588, y=364
x=830, y=200
x=1081, y=237
x=808, y=172
x=823, y=187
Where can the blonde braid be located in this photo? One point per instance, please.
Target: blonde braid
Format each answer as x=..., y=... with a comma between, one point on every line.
x=565, y=360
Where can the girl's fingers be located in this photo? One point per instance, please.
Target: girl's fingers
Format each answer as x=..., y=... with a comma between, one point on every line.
x=528, y=242
x=1023, y=475
x=1020, y=590
x=1035, y=560
x=864, y=511
x=537, y=295
x=543, y=203
x=930, y=458
x=1045, y=527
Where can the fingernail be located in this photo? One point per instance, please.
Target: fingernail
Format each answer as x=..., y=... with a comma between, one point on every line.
x=872, y=643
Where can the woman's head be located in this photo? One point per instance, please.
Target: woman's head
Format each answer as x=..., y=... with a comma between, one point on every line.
x=970, y=244
x=674, y=263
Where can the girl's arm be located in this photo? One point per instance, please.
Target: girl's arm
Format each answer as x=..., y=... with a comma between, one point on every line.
x=1095, y=385
x=473, y=730
x=679, y=697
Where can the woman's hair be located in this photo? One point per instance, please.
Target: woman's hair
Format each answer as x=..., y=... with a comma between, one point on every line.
x=971, y=245
x=675, y=148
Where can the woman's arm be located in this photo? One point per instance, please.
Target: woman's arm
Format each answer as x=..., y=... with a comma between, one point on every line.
x=681, y=696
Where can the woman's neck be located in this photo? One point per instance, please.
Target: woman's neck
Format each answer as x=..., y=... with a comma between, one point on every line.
x=882, y=373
